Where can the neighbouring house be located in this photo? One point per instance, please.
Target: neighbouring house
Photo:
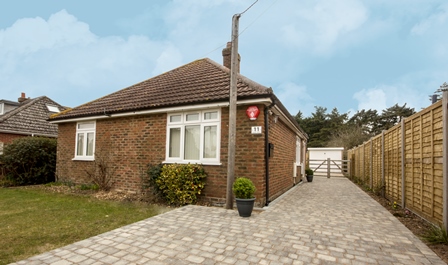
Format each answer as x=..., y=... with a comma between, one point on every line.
x=181, y=116
x=27, y=117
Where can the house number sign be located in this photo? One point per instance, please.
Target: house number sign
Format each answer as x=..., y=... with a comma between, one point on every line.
x=256, y=130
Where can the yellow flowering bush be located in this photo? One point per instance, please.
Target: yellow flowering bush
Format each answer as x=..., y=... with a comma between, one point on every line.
x=181, y=184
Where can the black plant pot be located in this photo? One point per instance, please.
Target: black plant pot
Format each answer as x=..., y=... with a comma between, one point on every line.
x=309, y=178
x=245, y=206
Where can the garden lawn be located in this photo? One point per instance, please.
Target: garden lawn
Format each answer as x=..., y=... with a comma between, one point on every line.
x=34, y=221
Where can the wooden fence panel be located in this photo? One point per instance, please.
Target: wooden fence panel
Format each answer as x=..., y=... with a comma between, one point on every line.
x=377, y=160
x=423, y=163
x=366, y=176
x=392, y=163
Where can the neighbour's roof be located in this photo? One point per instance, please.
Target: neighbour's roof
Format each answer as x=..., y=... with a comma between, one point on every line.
x=30, y=118
x=9, y=102
x=200, y=81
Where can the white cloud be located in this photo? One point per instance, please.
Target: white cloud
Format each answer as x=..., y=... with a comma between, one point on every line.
x=64, y=56
x=374, y=98
x=29, y=35
x=170, y=58
x=385, y=96
x=319, y=25
x=295, y=98
x=431, y=31
x=433, y=21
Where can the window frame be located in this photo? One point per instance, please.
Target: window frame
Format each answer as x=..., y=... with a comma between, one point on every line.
x=202, y=123
x=85, y=132
x=52, y=108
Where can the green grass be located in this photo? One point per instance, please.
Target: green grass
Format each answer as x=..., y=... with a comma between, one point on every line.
x=34, y=221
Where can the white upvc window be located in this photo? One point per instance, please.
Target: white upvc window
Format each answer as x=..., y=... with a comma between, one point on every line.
x=85, y=140
x=194, y=137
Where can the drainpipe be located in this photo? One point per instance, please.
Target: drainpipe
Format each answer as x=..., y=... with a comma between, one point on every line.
x=266, y=147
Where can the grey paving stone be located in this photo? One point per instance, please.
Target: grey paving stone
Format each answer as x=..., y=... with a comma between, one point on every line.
x=328, y=221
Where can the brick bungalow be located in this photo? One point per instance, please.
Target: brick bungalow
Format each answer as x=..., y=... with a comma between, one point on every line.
x=181, y=116
x=27, y=117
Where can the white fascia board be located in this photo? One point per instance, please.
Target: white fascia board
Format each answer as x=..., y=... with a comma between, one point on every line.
x=28, y=133
x=285, y=118
x=166, y=110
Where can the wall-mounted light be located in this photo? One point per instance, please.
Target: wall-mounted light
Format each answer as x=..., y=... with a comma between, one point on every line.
x=275, y=118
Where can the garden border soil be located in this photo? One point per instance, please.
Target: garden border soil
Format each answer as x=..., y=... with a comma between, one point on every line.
x=418, y=226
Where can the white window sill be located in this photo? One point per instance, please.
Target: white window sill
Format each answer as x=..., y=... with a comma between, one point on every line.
x=83, y=159
x=205, y=163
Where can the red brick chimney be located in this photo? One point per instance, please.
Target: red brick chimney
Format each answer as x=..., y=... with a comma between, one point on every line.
x=22, y=98
x=227, y=58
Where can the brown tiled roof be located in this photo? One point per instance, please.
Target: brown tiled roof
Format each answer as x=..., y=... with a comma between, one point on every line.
x=201, y=81
x=30, y=117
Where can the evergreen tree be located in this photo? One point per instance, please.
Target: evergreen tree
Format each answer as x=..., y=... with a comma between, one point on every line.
x=336, y=129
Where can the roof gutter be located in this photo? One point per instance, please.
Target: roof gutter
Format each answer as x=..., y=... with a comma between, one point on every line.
x=29, y=133
x=161, y=110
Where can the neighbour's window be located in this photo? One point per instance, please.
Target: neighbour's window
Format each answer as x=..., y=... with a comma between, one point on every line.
x=85, y=140
x=52, y=108
x=1, y=148
x=193, y=137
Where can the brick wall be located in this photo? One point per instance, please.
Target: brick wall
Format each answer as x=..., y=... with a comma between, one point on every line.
x=281, y=163
x=128, y=143
x=138, y=141
x=7, y=138
x=249, y=157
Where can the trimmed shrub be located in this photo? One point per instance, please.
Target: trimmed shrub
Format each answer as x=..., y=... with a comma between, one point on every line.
x=179, y=184
x=243, y=188
x=152, y=173
x=30, y=160
x=309, y=172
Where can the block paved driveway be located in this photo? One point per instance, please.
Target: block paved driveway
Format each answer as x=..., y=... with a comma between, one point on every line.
x=328, y=221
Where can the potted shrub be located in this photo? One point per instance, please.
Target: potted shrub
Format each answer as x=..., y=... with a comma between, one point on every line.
x=244, y=190
x=309, y=174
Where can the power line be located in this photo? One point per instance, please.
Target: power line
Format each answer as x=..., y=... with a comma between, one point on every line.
x=248, y=7
x=262, y=13
x=250, y=24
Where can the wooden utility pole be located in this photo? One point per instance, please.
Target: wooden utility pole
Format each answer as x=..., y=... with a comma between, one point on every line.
x=232, y=112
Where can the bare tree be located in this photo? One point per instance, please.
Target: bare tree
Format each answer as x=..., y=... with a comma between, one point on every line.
x=104, y=167
x=348, y=137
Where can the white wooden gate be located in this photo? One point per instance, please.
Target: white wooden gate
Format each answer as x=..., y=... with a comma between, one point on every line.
x=329, y=168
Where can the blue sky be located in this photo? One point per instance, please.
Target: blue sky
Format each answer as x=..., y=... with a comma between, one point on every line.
x=348, y=54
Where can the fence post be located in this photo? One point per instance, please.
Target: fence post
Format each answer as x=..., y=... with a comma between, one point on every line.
x=383, y=177
x=444, y=88
x=350, y=166
x=328, y=167
x=403, y=161
x=371, y=164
